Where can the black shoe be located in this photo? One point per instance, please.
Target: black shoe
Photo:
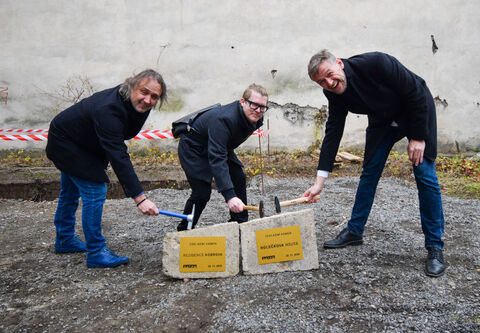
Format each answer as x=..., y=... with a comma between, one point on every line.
x=435, y=265
x=343, y=239
x=184, y=226
x=238, y=220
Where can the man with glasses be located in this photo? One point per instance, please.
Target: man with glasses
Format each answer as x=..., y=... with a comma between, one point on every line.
x=398, y=104
x=208, y=151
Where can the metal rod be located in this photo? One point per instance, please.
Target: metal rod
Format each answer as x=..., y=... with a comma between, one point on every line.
x=261, y=162
x=268, y=137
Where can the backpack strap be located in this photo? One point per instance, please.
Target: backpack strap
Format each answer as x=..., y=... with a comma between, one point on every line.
x=185, y=123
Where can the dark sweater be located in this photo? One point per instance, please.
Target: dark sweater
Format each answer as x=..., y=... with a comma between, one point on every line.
x=84, y=138
x=208, y=153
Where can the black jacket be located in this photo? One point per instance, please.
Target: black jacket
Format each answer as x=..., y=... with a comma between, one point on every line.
x=84, y=138
x=379, y=86
x=206, y=154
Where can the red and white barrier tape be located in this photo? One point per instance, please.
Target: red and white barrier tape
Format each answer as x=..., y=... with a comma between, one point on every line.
x=42, y=134
x=24, y=130
x=156, y=134
x=24, y=137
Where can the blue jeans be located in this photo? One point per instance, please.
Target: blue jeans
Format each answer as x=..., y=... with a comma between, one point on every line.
x=431, y=211
x=93, y=196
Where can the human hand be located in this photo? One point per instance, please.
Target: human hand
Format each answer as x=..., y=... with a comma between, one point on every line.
x=415, y=151
x=146, y=206
x=316, y=188
x=235, y=205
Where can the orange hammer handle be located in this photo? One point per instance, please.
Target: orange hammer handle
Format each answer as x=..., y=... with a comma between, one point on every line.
x=251, y=208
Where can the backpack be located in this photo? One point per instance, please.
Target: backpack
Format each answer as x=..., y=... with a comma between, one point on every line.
x=184, y=124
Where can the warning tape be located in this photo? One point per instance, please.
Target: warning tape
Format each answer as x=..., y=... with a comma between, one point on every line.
x=42, y=134
x=154, y=135
x=24, y=137
x=24, y=130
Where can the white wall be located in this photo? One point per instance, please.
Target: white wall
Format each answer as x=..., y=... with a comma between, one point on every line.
x=209, y=51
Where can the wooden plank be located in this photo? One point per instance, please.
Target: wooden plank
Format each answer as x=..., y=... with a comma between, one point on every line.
x=349, y=157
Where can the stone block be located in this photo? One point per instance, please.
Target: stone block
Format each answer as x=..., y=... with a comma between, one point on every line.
x=304, y=219
x=171, y=251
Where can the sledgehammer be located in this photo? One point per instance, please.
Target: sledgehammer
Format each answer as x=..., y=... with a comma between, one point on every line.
x=260, y=208
x=302, y=200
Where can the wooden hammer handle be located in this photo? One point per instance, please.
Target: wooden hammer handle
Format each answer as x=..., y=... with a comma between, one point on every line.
x=297, y=201
x=250, y=208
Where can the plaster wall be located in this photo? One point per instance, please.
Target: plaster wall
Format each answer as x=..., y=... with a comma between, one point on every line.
x=209, y=51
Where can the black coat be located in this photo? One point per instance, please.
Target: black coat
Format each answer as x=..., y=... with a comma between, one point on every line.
x=206, y=154
x=379, y=86
x=84, y=138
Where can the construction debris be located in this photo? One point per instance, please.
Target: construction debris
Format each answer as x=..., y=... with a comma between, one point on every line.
x=349, y=157
x=340, y=158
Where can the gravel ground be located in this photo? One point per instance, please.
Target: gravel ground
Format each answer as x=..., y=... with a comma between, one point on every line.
x=377, y=287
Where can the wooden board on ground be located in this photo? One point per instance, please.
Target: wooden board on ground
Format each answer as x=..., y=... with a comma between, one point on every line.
x=349, y=157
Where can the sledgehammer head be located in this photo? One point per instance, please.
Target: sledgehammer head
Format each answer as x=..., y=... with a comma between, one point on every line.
x=278, y=208
x=261, y=209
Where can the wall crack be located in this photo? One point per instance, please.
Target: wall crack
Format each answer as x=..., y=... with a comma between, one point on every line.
x=297, y=114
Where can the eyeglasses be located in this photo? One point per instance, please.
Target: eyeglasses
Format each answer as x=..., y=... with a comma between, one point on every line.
x=255, y=106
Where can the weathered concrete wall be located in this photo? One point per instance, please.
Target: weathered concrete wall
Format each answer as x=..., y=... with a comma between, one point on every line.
x=209, y=51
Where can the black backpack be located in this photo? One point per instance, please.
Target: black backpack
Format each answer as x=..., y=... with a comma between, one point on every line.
x=184, y=124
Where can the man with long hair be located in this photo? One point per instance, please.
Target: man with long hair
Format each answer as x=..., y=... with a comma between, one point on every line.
x=82, y=141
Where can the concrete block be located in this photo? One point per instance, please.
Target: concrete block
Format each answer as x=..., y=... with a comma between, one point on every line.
x=171, y=251
x=248, y=235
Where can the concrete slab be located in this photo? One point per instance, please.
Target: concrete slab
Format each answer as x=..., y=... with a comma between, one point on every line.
x=226, y=262
x=288, y=236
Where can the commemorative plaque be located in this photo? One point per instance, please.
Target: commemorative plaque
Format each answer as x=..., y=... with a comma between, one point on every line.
x=202, y=254
x=279, y=244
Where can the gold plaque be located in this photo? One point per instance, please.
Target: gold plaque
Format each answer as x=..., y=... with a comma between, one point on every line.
x=279, y=244
x=202, y=254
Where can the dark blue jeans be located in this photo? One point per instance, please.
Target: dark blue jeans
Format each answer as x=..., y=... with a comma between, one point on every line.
x=93, y=196
x=431, y=211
